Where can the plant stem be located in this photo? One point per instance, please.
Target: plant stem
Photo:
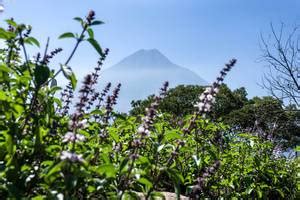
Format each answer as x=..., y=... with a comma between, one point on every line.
x=25, y=54
x=79, y=40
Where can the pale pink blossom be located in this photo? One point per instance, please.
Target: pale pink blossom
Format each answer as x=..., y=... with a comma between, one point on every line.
x=72, y=137
x=73, y=157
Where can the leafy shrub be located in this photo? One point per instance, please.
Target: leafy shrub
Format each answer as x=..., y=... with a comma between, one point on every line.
x=46, y=151
x=266, y=115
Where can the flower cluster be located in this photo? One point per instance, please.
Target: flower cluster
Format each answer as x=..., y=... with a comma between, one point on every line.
x=75, y=123
x=73, y=157
x=142, y=132
x=95, y=76
x=144, y=129
x=66, y=96
x=90, y=17
x=207, y=172
x=72, y=137
x=115, y=94
x=207, y=98
x=47, y=57
x=151, y=112
x=111, y=100
x=84, y=94
x=102, y=95
x=86, y=101
x=277, y=151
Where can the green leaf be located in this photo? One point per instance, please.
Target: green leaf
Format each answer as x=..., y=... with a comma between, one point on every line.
x=129, y=195
x=91, y=188
x=175, y=176
x=73, y=81
x=252, y=143
x=145, y=182
x=56, y=169
x=3, y=96
x=53, y=83
x=41, y=74
x=157, y=195
x=32, y=41
x=69, y=74
x=19, y=109
x=90, y=32
x=97, y=112
x=4, y=68
x=47, y=163
x=249, y=190
x=107, y=169
x=259, y=193
x=113, y=133
x=66, y=35
x=197, y=161
x=6, y=35
x=96, y=46
x=142, y=160
x=96, y=22
x=57, y=101
x=172, y=135
x=39, y=197
x=11, y=148
x=280, y=192
x=79, y=19
x=160, y=147
x=123, y=164
x=11, y=22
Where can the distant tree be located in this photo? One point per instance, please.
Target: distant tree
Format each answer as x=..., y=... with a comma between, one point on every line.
x=281, y=53
x=178, y=102
x=264, y=116
x=181, y=99
x=267, y=118
x=228, y=100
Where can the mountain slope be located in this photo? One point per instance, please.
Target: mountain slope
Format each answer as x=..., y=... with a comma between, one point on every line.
x=143, y=73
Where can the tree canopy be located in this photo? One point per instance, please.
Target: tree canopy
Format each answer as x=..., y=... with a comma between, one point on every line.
x=265, y=116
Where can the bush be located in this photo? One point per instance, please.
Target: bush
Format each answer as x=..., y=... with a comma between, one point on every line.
x=48, y=152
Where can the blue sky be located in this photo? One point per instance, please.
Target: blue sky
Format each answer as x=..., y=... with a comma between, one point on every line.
x=198, y=34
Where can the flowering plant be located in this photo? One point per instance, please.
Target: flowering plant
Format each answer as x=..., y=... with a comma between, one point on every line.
x=47, y=151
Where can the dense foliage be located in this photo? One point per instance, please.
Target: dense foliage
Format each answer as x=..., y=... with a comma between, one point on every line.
x=47, y=151
x=264, y=115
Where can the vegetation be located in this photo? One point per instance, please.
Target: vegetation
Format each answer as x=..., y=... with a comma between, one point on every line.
x=266, y=115
x=49, y=152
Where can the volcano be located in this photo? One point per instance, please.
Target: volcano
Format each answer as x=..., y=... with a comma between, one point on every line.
x=143, y=73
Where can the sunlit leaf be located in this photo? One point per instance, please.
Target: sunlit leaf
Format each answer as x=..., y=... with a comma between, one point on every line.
x=107, y=169
x=96, y=46
x=11, y=22
x=4, y=68
x=32, y=41
x=145, y=182
x=90, y=32
x=96, y=22
x=66, y=35
x=69, y=74
x=79, y=19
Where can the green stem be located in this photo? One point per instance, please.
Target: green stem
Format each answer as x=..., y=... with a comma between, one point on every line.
x=79, y=40
x=25, y=54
